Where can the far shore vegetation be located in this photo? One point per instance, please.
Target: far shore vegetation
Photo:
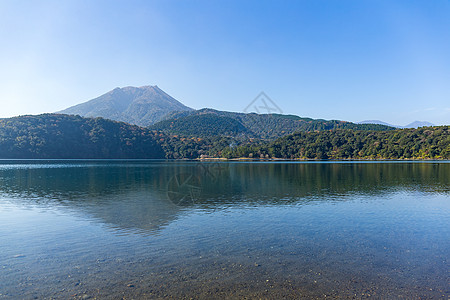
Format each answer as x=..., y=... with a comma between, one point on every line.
x=58, y=136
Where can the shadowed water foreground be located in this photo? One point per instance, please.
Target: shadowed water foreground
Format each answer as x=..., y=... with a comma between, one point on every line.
x=179, y=229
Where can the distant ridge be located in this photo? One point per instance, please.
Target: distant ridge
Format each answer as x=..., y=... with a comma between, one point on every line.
x=141, y=106
x=377, y=122
x=415, y=124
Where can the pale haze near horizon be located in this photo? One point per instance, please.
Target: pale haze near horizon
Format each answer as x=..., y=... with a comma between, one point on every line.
x=352, y=60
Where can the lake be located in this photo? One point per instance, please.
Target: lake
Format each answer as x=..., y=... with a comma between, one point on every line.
x=181, y=229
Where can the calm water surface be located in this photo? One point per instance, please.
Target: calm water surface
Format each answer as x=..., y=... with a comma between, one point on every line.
x=158, y=229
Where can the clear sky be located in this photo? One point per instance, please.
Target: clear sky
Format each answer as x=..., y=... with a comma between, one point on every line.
x=349, y=60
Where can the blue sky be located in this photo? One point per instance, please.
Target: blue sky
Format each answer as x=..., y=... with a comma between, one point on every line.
x=348, y=60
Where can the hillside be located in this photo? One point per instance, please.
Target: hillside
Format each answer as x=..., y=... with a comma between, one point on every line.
x=203, y=125
x=264, y=126
x=64, y=136
x=141, y=106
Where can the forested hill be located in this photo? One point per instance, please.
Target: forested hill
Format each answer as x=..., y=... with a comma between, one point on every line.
x=204, y=125
x=264, y=126
x=421, y=143
x=64, y=136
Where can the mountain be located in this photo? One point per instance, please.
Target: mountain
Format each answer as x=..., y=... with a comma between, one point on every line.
x=65, y=137
x=378, y=122
x=141, y=106
x=415, y=124
x=264, y=126
x=150, y=106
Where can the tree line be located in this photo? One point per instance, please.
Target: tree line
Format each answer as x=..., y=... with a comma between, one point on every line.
x=421, y=143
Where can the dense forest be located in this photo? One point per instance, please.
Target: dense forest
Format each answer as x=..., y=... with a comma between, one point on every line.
x=62, y=136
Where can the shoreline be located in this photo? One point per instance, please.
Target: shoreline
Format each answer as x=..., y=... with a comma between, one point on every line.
x=324, y=160
x=244, y=159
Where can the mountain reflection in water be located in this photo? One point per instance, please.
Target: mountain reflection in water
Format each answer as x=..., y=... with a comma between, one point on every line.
x=144, y=196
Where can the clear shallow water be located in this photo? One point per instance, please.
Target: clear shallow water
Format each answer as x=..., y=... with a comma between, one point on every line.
x=154, y=229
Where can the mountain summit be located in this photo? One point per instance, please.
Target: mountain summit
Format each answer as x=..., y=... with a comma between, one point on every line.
x=415, y=124
x=142, y=106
